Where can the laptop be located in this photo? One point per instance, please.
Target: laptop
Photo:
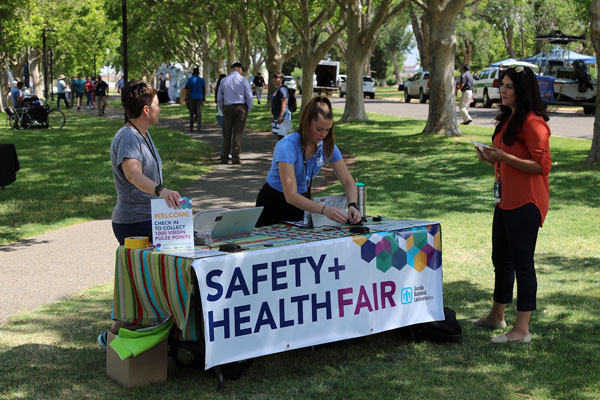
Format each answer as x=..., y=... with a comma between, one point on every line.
x=225, y=223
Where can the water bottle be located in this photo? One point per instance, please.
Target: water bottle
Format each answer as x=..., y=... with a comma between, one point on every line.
x=361, y=200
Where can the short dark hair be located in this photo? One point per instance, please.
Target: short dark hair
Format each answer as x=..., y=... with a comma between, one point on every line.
x=135, y=95
x=278, y=75
x=466, y=67
x=196, y=71
x=237, y=64
x=527, y=96
x=20, y=84
x=317, y=106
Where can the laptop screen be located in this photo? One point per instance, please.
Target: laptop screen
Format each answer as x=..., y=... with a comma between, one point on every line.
x=236, y=222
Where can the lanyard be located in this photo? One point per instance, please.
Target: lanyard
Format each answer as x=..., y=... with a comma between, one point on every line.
x=309, y=181
x=150, y=147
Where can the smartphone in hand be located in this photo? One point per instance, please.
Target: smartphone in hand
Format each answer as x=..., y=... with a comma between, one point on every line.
x=479, y=146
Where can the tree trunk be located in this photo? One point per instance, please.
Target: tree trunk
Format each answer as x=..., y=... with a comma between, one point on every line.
x=442, y=48
x=355, y=101
x=594, y=156
x=394, y=58
x=421, y=32
x=354, y=110
x=308, y=68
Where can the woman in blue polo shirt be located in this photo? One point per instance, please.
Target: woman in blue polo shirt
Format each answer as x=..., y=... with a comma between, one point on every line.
x=297, y=159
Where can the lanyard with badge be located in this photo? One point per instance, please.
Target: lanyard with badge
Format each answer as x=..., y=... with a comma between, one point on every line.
x=150, y=147
x=497, y=180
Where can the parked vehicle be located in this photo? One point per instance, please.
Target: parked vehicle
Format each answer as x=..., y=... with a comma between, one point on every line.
x=290, y=82
x=325, y=78
x=417, y=87
x=368, y=86
x=486, y=87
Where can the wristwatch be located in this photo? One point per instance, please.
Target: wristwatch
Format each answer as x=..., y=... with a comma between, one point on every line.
x=158, y=188
x=353, y=204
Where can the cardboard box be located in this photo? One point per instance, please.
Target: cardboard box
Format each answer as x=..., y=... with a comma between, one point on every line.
x=148, y=367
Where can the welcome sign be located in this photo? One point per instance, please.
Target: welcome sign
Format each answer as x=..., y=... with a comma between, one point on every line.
x=274, y=300
x=172, y=229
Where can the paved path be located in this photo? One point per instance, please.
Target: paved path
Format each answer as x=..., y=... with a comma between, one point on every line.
x=61, y=263
x=565, y=123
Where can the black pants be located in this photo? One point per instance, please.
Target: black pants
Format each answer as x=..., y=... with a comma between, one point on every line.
x=514, y=235
x=123, y=231
x=276, y=209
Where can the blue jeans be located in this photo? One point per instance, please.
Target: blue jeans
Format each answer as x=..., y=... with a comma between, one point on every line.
x=63, y=96
x=90, y=98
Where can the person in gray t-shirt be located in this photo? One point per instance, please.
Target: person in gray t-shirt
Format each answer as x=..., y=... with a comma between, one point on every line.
x=136, y=164
x=137, y=169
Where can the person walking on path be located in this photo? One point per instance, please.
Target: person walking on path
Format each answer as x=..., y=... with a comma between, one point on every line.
x=61, y=87
x=235, y=99
x=196, y=94
x=101, y=91
x=89, y=93
x=466, y=86
x=79, y=87
x=521, y=159
x=282, y=116
x=259, y=85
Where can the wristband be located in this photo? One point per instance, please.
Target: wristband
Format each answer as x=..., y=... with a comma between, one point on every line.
x=353, y=204
x=323, y=209
x=158, y=188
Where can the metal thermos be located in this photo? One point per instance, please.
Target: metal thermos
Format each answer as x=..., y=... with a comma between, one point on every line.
x=362, y=199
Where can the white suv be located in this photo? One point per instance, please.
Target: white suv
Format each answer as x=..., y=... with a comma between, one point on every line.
x=290, y=82
x=368, y=86
x=417, y=87
x=486, y=87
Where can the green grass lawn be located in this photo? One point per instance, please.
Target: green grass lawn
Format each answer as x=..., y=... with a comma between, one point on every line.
x=68, y=172
x=51, y=353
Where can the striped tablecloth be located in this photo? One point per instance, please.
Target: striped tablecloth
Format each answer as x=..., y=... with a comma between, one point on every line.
x=151, y=286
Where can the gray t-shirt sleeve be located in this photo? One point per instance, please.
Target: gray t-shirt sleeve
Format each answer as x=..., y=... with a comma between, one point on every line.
x=133, y=205
x=127, y=145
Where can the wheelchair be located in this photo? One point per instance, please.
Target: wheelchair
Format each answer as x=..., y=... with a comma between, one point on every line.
x=34, y=114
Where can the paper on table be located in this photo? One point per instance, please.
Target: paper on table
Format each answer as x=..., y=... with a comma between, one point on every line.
x=196, y=253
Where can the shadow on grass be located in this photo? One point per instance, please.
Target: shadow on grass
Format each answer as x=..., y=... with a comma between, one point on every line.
x=376, y=366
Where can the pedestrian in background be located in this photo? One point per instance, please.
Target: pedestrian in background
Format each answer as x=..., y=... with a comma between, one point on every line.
x=196, y=94
x=259, y=85
x=101, y=91
x=282, y=116
x=61, y=87
x=89, y=93
x=466, y=86
x=79, y=88
x=235, y=99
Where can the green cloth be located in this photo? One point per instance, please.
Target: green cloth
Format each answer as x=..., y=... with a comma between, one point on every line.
x=133, y=343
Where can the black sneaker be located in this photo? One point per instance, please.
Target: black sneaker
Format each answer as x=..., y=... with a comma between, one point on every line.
x=102, y=340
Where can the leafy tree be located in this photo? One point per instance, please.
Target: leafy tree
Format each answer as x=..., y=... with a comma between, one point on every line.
x=364, y=19
x=396, y=39
x=440, y=16
x=308, y=18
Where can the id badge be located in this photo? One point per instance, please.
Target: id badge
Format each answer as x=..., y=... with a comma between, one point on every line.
x=497, y=191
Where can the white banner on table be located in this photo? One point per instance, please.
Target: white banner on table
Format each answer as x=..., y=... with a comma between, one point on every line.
x=280, y=299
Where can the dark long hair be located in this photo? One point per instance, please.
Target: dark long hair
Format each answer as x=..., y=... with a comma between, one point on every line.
x=219, y=84
x=317, y=106
x=528, y=99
